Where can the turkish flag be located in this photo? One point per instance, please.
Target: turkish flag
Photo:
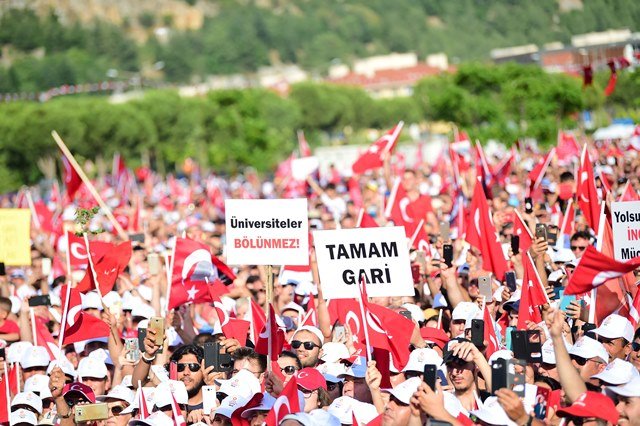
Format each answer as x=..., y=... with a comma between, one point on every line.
x=567, y=227
x=490, y=336
x=539, y=170
x=44, y=338
x=594, y=269
x=143, y=409
x=107, y=269
x=258, y=320
x=567, y=147
x=373, y=158
x=78, y=250
x=634, y=309
x=521, y=229
x=43, y=217
x=532, y=294
x=5, y=398
x=287, y=403
x=275, y=330
x=629, y=194
x=420, y=239
x=176, y=412
x=71, y=178
x=232, y=328
x=311, y=317
x=79, y=326
x=588, y=199
x=482, y=235
x=365, y=220
x=403, y=211
x=482, y=166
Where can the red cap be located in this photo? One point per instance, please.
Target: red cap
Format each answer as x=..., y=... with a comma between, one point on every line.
x=311, y=379
x=78, y=389
x=592, y=404
x=435, y=335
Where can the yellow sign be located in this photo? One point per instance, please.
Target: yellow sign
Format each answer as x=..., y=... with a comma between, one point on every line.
x=15, y=246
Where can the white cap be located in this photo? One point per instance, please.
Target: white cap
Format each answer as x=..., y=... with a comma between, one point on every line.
x=421, y=357
x=27, y=398
x=315, y=330
x=156, y=419
x=617, y=372
x=111, y=298
x=15, y=351
x=334, y=352
x=405, y=390
x=317, y=417
x=230, y=404
x=331, y=370
x=23, y=416
x=358, y=369
x=119, y=392
x=91, y=300
x=294, y=307
x=36, y=356
x=492, y=412
x=631, y=389
x=38, y=384
x=587, y=348
x=25, y=292
x=127, y=381
x=243, y=384
x=142, y=309
x=92, y=367
x=344, y=407
x=563, y=255
x=102, y=355
x=162, y=395
x=615, y=326
x=129, y=301
x=417, y=314
x=464, y=311
x=145, y=292
x=148, y=393
x=548, y=351
x=265, y=405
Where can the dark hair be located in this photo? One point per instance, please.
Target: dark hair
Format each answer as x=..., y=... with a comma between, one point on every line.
x=289, y=354
x=5, y=303
x=248, y=353
x=566, y=176
x=189, y=349
x=324, y=400
x=553, y=383
x=252, y=279
x=581, y=234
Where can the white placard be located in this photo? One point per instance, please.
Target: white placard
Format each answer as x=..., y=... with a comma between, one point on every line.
x=267, y=232
x=301, y=168
x=625, y=223
x=381, y=254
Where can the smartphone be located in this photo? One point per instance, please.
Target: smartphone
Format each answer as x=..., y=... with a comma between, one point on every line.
x=91, y=412
x=173, y=370
x=447, y=254
x=528, y=205
x=415, y=273
x=516, y=380
x=534, y=346
x=510, y=279
x=542, y=398
x=406, y=314
x=3, y=269
x=499, y=372
x=133, y=349
x=157, y=324
x=515, y=244
x=209, y=399
x=566, y=301
x=3, y=353
x=541, y=231
x=137, y=238
x=484, y=284
x=154, y=263
x=213, y=356
x=43, y=300
x=552, y=237
x=519, y=344
x=46, y=266
x=444, y=231
x=116, y=309
x=429, y=376
x=339, y=333
x=477, y=333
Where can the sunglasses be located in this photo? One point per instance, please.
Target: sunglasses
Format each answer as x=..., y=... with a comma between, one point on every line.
x=635, y=346
x=289, y=370
x=116, y=410
x=579, y=421
x=194, y=367
x=581, y=248
x=306, y=392
x=579, y=360
x=308, y=345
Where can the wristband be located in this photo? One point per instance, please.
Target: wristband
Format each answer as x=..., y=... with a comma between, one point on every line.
x=147, y=360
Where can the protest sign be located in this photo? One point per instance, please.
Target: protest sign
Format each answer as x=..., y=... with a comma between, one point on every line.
x=15, y=226
x=267, y=232
x=625, y=223
x=380, y=254
x=301, y=168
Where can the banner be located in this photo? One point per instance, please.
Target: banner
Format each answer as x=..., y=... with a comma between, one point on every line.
x=380, y=254
x=267, y=232
x=625, y=223
x=15, y=229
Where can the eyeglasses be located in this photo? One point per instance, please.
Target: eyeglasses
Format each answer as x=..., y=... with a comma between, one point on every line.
x=194, y=367
x=116, y=410
x=581, y=248
x=306, y=392
x=635, y=346
x=289, y=370
x=579, y=421
x=308, y=345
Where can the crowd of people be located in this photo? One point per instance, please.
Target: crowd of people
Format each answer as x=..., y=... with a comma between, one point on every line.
x=467, y=362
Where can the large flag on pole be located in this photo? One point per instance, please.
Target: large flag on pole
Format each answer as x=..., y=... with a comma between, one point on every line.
x=373, y=158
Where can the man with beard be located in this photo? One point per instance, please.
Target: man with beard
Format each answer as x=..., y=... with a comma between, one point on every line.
x=464, y=361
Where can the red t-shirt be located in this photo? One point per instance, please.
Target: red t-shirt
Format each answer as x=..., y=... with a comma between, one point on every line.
x=9, y=327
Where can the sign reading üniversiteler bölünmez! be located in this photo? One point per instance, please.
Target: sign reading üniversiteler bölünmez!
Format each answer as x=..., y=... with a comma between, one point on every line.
x=380, y=254
x=267, y=232
x=625, y=223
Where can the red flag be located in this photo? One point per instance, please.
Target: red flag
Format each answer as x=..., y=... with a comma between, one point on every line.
x=43, y=216
x=77, y=325
x=143, y=409
x=365, y=220
x=274, y=329
x=482, y=166
x=5, y=398
x=634, y=309
x=489, y=333
x=634, y=140
x=420, y=239
x=481, y=233
x=176, y=412
x=71, y=178
x=532, y=294
x=594, y=269
x=501, y=171
x=567, y=227
x=44, y=338
x=567, y=147
x=613, y=79
x=373, y=158
x=628, y=193
x=303, y=145
x=311, y=317
x=287, y=403
x=588, y=200
x=355, y=194
x=78, y=251
x=537, y=174
x=231, y=327
x=521, y=229
x=14, y=378
x=107, y=269
x=258, y=320
x=403, y=211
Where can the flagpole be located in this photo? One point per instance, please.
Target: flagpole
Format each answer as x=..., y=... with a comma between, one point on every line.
x=170, y=276
x=32, y=207
x=361, y=282
x=63, y=322
x=32, y=316
x=268, y=314
x=592, y=305
x=563, y=228
x=360, y=216
x=89, y=185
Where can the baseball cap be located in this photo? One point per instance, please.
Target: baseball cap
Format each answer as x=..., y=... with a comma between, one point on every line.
x=156, y=419
x=416, y=313
x=331, y=370
x=311, y=379
x=548, y=351
x=315, y=330
x=631, y=389
x=315, y=417
x=266, y=404
x=430, y=313
x=164, y=390
x=448, y=354
x=293, y=306
x=36, y=356
x=592, y=404
x=38, y=384
x=28, y=399
x=119, y=393
x=65, y=365
x=23, y=416
x=79, y=390
x=92, y=367
x=617, y=372
x=421, y=357
x=587, y=348
x=563, y=255
x=243, y=384
x=142, y=310
x=334, y=352
x=405, y=390
x=230, y=404
x=358, y=369
x=615, y=326
x=492, y=412
x=345, y=407
x=464, y=311
x=91, y=300
x=15, y=351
